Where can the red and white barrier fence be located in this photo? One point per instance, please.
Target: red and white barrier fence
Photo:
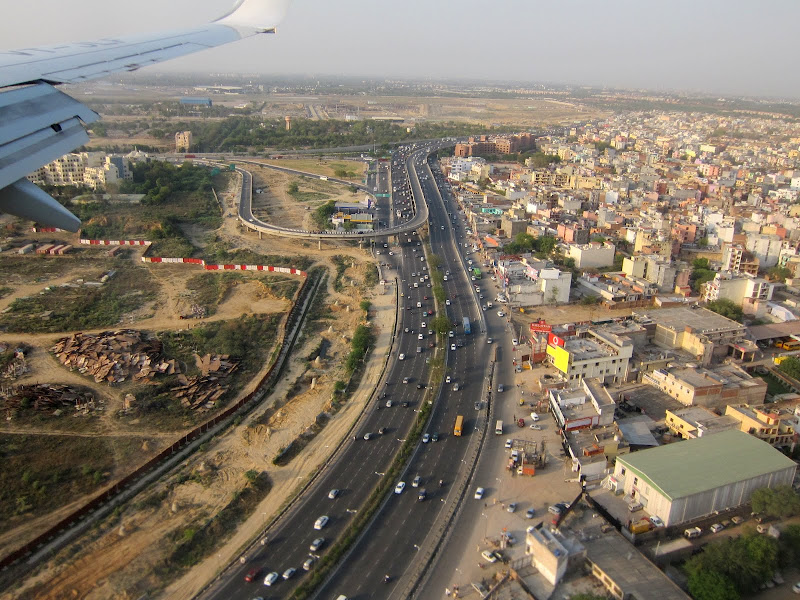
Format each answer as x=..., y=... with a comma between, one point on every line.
x=115, y=242
x=208, y=267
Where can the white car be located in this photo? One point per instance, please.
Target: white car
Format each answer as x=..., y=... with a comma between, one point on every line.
x=534, y=416
x=419, y=336
x=317, y=544
x=321, y=522
x=271, y=578
x=288, y=573
x=500, y=313
x=536, y=427
x=656, y=521
x=515, y=342
x=402, y=356
x=509, y=443
x=489, y=341
x=447, y=302
x=487, y=554
x=452, y=346
x=447, y=379
x=450, y=333
x=479, y=493
x=333, y=494
x=426, y=438
x=398, y=489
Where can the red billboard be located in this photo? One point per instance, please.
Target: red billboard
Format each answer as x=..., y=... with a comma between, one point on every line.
x=541, y=326
x=554, y=340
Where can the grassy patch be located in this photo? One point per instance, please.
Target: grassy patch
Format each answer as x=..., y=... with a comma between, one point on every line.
x=210, y=289
x=82, y=307
x=42, y=473
x=341, y=263
x=774, y=385
x=319, y=167
x=173, y=247
x=32, y=269
x=5, y=291
x=195, y=543
x=280, y=286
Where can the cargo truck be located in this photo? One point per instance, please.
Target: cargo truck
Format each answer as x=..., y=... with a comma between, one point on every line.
x=459, y=426
x=467, y=328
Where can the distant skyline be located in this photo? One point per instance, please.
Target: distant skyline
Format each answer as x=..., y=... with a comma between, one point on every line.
x=731, y=47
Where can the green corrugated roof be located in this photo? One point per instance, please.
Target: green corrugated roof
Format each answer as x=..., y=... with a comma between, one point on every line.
x=686, y=468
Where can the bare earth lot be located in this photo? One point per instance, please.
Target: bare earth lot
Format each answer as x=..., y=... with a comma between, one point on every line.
x=123, y=558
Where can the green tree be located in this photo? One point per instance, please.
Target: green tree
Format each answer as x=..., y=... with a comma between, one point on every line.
x=322, y=215
x=441, y=325
x=365, y=305
x=546, y=244
x=781, y=501
x=712, y=585
x=293, y=188
x=790, y=366
x=726, y=308
x=700, y=263
x=251, y=475
x=540, y=160
x=789, y=545
x=779, y=274
x=703, y=242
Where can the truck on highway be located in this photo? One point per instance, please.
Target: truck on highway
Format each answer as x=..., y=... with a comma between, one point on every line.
x=498, y=428
x=459, y=426
x=467, y=329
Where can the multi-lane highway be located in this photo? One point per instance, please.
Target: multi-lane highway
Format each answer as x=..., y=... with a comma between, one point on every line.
x=361, y=463
x=390, y=546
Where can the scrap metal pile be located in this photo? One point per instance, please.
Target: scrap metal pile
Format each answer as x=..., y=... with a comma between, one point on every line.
x=114, y=356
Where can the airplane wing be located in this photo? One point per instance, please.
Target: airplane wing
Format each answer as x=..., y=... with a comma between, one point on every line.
x=39, y=124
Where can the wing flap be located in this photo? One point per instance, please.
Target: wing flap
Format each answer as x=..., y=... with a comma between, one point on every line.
x=39, y=125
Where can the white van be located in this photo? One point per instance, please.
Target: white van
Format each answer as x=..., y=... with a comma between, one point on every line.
x=693, y=532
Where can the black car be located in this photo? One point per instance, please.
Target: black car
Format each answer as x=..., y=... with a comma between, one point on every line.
x=405, y=405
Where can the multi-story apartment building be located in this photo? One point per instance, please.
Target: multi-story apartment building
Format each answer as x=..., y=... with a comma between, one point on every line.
x=85, y=169
x=703, y=387
x=495, y=145
x=593, y=255
x=751, y=293
x=183, y=141
x=738, y=260
x=772, y=427
x=598, y=353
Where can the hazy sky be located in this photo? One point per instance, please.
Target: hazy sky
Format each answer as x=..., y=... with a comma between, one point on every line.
x=719, y=46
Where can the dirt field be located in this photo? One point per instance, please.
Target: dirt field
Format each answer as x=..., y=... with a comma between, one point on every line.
x=276, y=205
x=124, y=563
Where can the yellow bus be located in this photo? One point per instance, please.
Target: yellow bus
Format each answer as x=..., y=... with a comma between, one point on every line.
x=790, y=345
x=459, y=426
